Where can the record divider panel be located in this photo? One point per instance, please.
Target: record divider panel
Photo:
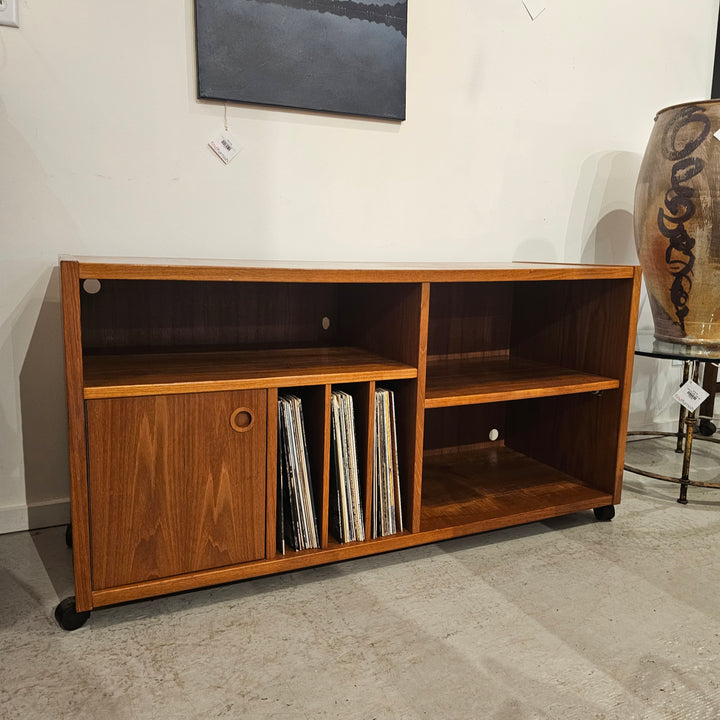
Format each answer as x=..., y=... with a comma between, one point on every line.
x=565, y=332
x=364, y=409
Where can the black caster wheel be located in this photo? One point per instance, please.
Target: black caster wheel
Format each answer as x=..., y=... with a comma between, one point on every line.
x=605, y=513
x=68, y=617
x=706, y=427
x=68, y=535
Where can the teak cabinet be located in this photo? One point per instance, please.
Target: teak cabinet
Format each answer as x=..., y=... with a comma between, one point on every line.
x=511, y=387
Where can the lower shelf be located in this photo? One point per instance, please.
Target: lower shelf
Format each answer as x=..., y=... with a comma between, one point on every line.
x=480, y=489
x=463, y=493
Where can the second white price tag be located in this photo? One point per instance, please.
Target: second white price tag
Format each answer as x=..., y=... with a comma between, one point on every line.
x=691, y=395
x=224, y=146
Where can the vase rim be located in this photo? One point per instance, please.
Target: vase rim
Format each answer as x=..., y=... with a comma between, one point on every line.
x=714, y=101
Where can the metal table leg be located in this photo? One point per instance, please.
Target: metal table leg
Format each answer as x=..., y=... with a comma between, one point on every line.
x=683, y=412
x=690, y=422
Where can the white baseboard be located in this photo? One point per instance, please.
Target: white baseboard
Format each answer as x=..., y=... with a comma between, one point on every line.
x=16, y=518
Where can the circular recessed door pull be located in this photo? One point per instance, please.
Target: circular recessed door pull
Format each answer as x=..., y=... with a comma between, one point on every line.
x=241, y=420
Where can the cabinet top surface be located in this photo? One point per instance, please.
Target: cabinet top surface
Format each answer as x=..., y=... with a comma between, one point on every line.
x=268, y=271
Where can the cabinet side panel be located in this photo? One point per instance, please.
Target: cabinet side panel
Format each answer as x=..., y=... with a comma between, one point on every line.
x=576, y=434
x=70, y=283
x=626, y=381
x=578, y=324
x=384, y=319
x=416, y=413
x=173, y=487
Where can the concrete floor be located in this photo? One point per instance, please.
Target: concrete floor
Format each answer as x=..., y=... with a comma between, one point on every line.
x=569, y=618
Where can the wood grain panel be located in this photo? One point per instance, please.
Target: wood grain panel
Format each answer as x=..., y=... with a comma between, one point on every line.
x=473, y=487
x=174, y=314
x=576, y=434
x=364, y=402
x=415, y=414
x=173, y=373
x=453, y=428
x=173, y=488
x=76, y=434
x=575, y=324
x=350, y=272
x=488, y=380
x=626, y=380
x=391, y=320
x=271, y=492
x=469, y=318
x=316, y=413
x=384, y=319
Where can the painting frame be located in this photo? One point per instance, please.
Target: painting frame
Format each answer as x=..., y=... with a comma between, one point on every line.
x=337, y=56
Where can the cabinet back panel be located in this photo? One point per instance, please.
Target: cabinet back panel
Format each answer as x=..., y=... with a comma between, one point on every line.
x=469, y=318
x=145, y=314
x=453, y=429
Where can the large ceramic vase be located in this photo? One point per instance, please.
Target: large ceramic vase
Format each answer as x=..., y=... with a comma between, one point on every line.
x=677, y=223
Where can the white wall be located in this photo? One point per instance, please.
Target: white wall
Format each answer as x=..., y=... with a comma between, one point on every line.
x=523, y=141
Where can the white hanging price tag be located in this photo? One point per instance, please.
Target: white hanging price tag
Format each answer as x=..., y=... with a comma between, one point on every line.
x=224, y=146
x=691, y=395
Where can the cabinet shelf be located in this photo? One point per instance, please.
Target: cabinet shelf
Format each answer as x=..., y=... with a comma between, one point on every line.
x=470, y=381
x=107, y=376
x=478, y=489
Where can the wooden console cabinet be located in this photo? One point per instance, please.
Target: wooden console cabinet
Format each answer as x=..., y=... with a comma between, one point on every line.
x=173, y=374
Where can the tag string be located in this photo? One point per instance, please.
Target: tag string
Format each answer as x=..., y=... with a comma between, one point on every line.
x=226, y=122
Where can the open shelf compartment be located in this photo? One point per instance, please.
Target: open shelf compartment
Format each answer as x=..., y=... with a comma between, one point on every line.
x=491, y=342
x=496, y=464
x=497, y=486
x=170, y=337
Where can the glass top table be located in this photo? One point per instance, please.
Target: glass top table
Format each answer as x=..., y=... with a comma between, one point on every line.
x=692, y=357
x=647, y=345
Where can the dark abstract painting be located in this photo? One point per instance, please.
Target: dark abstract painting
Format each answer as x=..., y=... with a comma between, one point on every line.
x=343, y=56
